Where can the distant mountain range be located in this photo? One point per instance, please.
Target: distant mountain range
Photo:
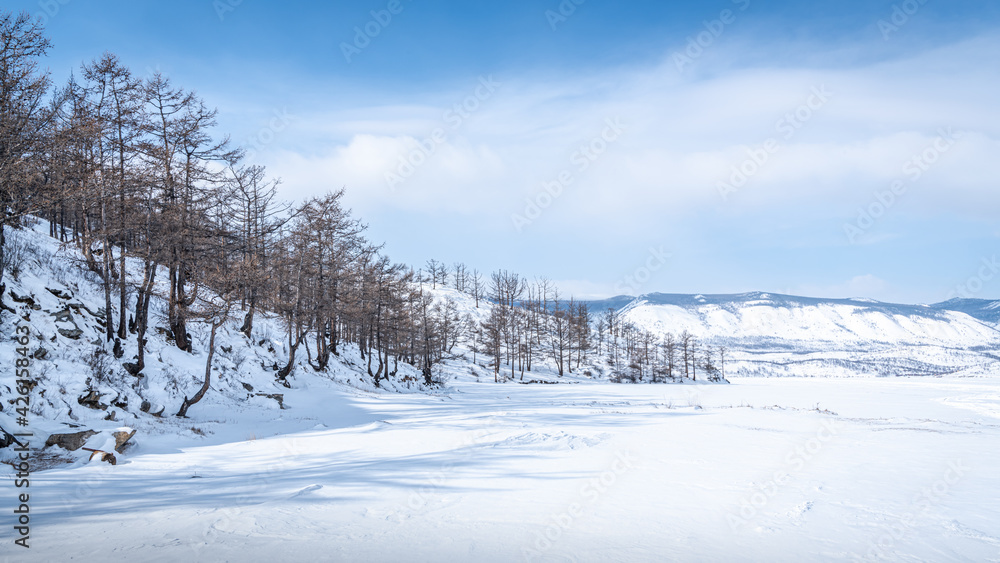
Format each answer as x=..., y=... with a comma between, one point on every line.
x=775, y=334
x=984, y=310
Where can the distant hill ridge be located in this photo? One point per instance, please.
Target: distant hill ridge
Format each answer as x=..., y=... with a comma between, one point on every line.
x=985, y=310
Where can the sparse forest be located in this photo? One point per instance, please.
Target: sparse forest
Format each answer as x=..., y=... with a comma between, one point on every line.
x=130, y=169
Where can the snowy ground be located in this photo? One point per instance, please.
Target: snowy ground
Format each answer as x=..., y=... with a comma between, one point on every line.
x=900, y=469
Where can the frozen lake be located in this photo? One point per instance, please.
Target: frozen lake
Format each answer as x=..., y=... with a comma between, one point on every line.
x=763, y=469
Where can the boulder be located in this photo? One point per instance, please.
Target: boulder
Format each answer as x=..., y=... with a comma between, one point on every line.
x=280, y=398
x=63, y=316
x=122, y=436
x=71, y=442
x=78, y=307
x=6, y=439
x=92, y=400
x=71, y=333
x=59, y=293
x=26, y=300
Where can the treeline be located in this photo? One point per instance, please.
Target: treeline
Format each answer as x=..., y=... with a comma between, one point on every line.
x=526, y=324
x=130, y=170
x=636, y=355
x=529, y=323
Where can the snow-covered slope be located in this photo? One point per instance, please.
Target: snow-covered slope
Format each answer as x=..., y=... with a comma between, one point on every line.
x=786, y=335
x=985, y=310
x=81, y=386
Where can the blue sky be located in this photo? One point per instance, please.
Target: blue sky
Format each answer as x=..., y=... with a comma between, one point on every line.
x=851, y=109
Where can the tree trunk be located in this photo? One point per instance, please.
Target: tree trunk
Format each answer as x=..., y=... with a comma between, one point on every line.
x=123, y=305
x=284, y=372
x=142, y=312
x=208, y=376
x=247, y=327
x=3, y=288
x=109, y=313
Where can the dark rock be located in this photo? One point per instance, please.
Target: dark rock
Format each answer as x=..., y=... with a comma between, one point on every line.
x=248, y=387
x=40, y=354
x=92, y=400
x=146, y=406
x=131, y=368
x=121, y=402
x=112, y=416
x=6, y=438
x=26, y=300
x=72, y=334
x=118, y=351
x=71, y=442
x=280, y=398
x=63, y=316
x=59, y=293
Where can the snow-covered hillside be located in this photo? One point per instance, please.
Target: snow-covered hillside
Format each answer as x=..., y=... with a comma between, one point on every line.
x=80, y=386
x=986, y=310
x=771, y=334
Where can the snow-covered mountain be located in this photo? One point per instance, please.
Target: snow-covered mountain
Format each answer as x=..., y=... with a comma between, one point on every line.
x=765, y=316
x=985, y=310
x=769, y=333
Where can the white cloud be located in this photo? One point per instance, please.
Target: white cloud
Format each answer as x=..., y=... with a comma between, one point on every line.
x=658, y=180
x=683, y=137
